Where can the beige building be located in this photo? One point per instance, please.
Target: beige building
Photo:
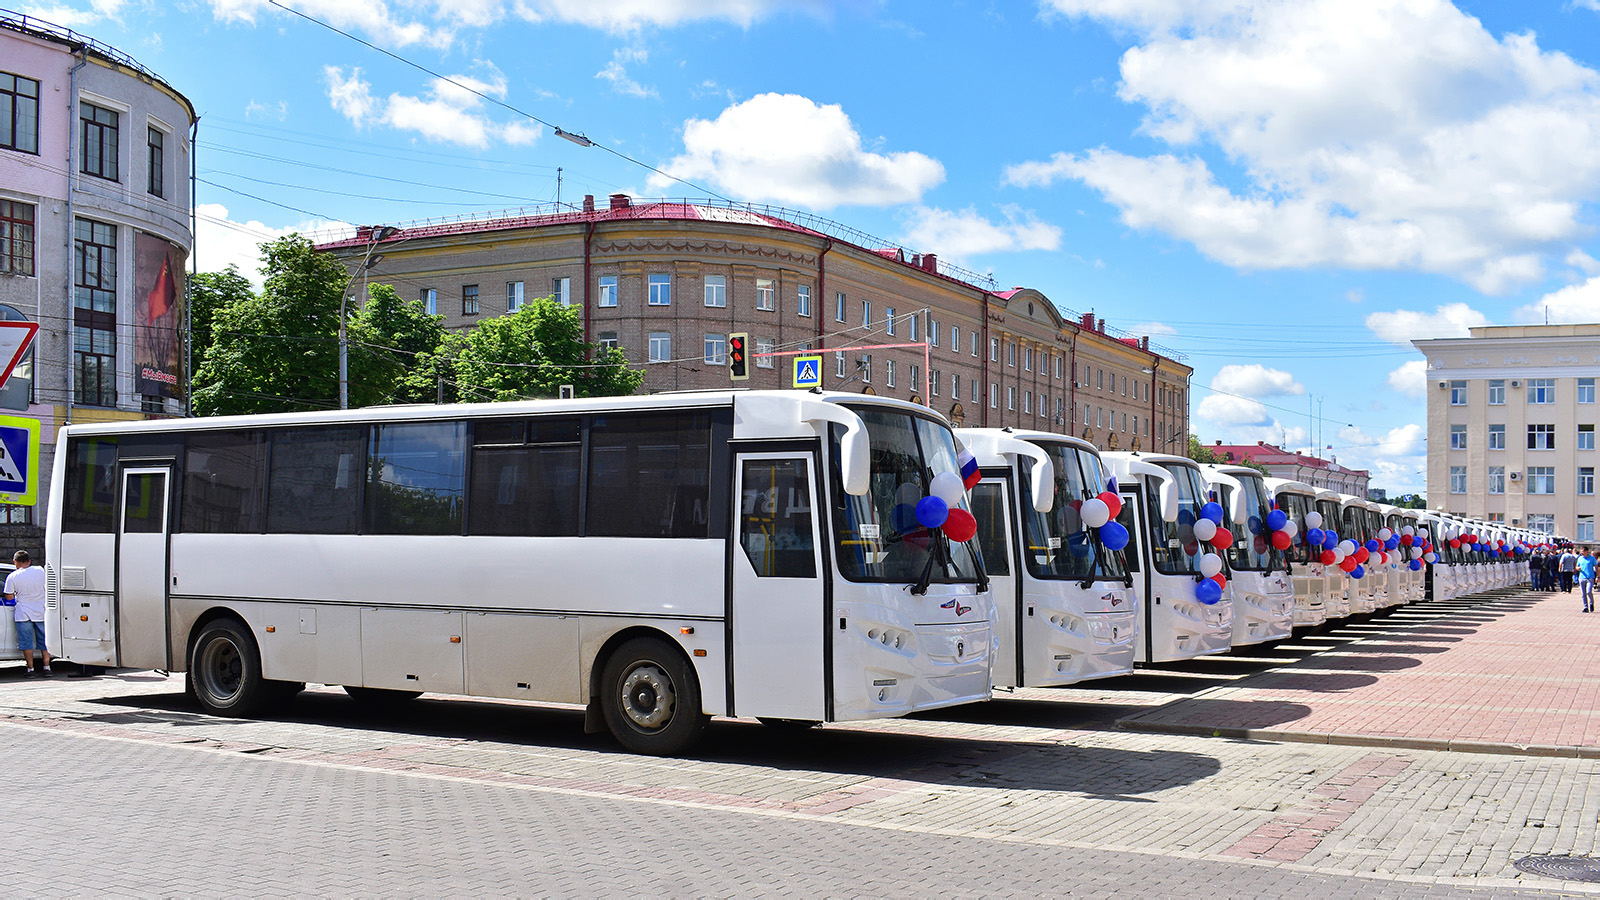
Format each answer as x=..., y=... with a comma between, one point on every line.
x=1511, y=426
x=668, y=282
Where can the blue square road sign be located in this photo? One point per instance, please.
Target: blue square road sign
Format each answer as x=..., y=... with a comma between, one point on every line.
x=807, y=371
x=19, y=460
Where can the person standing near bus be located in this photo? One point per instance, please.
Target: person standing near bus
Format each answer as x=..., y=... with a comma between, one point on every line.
x=1568, y=567
x=24, y=590
x=1586, y=565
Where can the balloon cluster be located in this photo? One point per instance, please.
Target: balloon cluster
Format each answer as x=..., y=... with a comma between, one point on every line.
x=938, y=510
x=1100, y=512
x=1208, y=528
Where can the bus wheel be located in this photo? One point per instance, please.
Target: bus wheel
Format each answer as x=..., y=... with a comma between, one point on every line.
x=651, y=699
x=225, y=670
x=380, y=696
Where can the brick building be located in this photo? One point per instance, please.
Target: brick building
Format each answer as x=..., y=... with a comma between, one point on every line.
x=667, y=282
x=1312, y=470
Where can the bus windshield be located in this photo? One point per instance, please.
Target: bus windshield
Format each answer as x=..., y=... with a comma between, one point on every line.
x=1172, y=544
x=1296, y=506
x=1253, y=551
x=1058, y=545
x=878, y=536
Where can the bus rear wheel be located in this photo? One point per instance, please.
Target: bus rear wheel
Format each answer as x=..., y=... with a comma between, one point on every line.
x=225, y=670
x=651, y=699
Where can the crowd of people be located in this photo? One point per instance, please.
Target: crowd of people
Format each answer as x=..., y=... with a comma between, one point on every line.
x=1561, y=568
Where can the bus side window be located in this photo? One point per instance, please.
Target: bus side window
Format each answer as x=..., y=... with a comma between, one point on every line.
x=990, y=512
x=775, y=518
x=1130, y=553
x=315, y=480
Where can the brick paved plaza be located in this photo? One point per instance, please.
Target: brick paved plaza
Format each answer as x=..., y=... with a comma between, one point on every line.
x=1160, y=784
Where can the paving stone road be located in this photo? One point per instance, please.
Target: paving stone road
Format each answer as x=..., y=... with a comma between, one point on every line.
x=1037, y=794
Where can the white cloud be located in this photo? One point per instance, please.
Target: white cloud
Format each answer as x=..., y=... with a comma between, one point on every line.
x=1573, y=303
x=1411, y=379
x=72, y=17
x=1397, y=459
x=1153, y=329
x=221, y=242
x=277, y=112
x=1402, y=326
x=630, y=15
x=1222, y=409
x=1581, y=260
x=968, y=233
x=616, y=72
x=1355, y=295
x=1389, y=135
x=786, y=149
x=451, y=112
x=371, y=17
x=1255, y=380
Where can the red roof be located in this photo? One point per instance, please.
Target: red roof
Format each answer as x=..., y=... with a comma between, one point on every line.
x=1272, y=455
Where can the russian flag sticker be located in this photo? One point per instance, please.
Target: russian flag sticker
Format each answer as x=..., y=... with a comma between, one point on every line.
x=969, y=469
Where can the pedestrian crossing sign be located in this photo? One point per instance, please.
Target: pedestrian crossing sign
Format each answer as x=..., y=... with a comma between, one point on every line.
x=807, y=371
x=19, y=460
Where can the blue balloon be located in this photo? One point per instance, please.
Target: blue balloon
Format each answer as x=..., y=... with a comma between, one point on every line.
x=1185, y=517
x=1113, y=535
x=1079, y=544
x=1392, y=542
x=1255, y=524
x=903, y=517
x=1330, y=539
x=1373, y=546
x=1415, y=564
x=1212, y=511
x=1208, y=592
x=1277, y=519
x=932, y=511
x=1358, y=572
x=1314, y=537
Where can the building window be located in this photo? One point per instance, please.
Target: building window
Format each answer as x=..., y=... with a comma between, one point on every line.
x=1027, y=401
x=1058, y=366
x=515, y=295
x=1458, y=437
x=916, y=379
x=766, y=297
x=974, y=383
x=935, y=384
x=888, y=373
x=1027, y=359
x=1544, y=523
x=1541, y=437
x=1585, y=437
x=608, y=339
x=1497, y=479
x=838, y=365
x=802, y=301
x=955, y=339
x=430, y=300
x=1458, y=479
x=994, y=395
x=1585, y=390
x=157, y=157
x=866, y=313
x=716, y=349
x=95, y=267
x=974, y=344
x=660, y=346
x=660, y=290
x=1586, y=529
x=1011, y=354
x=866, y=368
x=717, y=291
x=19, y=113
x=469, y=299
x=100, y=145
x=1541, y=390
x=1497, y=392
x=911, y=326
x=1011, y=398
x=1586, y=480
x=889, y=319
x=16, y=237
x=1100, y=379
x=838, y=307
x=955, y=387
x=1542, y=479
x=1458, y=393
x=561, y=290
x=608, y=291
x=1124, y=390
x=1497, y=436
x=933, y=331
x=763, y=353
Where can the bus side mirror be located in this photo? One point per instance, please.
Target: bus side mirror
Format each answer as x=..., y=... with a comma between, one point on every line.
x=1042, y=476
x=855, y=460
x=1168, y=494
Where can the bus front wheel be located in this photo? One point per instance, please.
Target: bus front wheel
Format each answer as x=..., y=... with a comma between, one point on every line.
x=225, y=670
x=651, y=699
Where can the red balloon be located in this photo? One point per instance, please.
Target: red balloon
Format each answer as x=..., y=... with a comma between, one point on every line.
x=1455, y=544
x=1328, y=557
x=1405, y=539
x=960, y=526
x=1220, y=579
x=1223, y=538
x=1383, y=557
x=1349, y=563
x=1113, y=502
x=1281, y=540
x=1191, y=549
x=1361, y=555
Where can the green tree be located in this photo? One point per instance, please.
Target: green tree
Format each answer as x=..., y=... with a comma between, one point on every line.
x=531, y=353
x=1411, y=501
x=394, y=349
x=208, y=293
x=1199, y=452
x=277, y=351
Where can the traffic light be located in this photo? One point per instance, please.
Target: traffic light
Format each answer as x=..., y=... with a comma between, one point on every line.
x=738, y=362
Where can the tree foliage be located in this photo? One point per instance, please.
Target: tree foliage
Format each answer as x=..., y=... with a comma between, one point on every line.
x=532, y=353
x=393, y=350
x=208, y=293
x=1199, y=452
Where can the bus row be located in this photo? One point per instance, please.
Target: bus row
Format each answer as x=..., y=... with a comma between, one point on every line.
x=789, y=556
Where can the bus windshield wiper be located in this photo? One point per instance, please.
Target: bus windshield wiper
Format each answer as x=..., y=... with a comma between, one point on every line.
x=925, y=579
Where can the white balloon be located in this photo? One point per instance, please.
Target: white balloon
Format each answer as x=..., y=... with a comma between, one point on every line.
x=1313, y=520
x=1095, y=512
x=1423, y=531
x=1290, y=528
x=1339, y=555
x=1431, y=557
x=1347, y=547
x=907, y=495
x=947, y=486
x=1205, y=529
x=1409, y=529
x=1384, y=534
x=1210, y=564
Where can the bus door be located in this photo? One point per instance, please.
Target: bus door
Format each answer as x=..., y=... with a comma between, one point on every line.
x=994, y=506
x=142, y=530
x=778, y=615
x=1137, y=555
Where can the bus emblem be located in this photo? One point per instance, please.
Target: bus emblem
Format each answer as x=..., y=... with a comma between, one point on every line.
x=1114, y=599
x=949, y=605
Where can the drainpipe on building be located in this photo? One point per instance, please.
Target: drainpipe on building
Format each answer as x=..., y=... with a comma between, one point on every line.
x=194, y=269
x=984, y=349
x=588, y=238
x=72, y=171
x=1072, y=382
x=822, y=289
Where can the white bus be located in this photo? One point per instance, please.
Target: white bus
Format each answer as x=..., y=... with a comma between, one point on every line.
x=1066, y=610
x=656, y=559
x=1310, y=576
x=1355, y=524
x=1161, y=500
x=1341, y=586
x=1258, y=580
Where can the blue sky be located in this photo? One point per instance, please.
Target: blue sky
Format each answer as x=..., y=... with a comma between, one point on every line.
x=1286, y=192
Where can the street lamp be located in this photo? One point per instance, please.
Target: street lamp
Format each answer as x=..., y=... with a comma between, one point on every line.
x=375, y=237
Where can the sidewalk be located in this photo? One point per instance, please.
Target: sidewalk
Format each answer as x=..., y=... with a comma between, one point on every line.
x=1513, y=671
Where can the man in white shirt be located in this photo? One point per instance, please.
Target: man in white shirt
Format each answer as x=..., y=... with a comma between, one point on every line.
x=24, y=590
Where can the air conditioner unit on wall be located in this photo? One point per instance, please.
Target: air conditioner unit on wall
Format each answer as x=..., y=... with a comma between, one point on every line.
x=1516, y=384
x=1443, y=385
x=1516, y=476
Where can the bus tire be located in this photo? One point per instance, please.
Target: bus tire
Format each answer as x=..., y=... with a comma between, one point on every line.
x=651, y=698
x=225, y=670
x=380, y=696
